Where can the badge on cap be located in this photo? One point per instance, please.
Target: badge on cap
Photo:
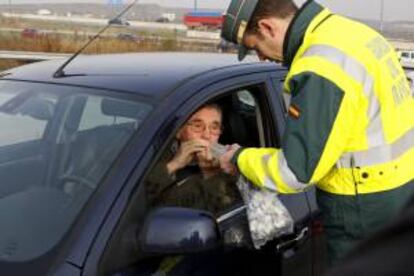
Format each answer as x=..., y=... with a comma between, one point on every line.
x=241, y=31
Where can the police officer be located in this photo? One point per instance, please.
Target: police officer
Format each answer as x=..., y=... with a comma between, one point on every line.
x=350, y=124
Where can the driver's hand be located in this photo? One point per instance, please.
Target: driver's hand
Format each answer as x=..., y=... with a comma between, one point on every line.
x=225, y=160
x=186, y=153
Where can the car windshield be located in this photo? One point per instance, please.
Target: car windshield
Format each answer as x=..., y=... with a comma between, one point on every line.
x=57, y=143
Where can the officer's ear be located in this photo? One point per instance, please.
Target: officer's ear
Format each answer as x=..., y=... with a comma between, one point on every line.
x=269, y=27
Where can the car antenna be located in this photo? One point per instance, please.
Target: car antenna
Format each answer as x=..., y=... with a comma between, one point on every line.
x=60, y=73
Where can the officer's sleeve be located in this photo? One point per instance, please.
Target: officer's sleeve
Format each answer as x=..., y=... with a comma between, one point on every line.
x=317, y=130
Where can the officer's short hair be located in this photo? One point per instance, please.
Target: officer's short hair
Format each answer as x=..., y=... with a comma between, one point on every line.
x=243, y=16
x=271, y=8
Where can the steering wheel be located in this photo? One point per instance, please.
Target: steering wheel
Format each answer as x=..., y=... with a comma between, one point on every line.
x=77, y=180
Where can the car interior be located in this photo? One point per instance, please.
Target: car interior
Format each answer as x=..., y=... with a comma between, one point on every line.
x=239, y=119
x=65, y=166
x=92, y=151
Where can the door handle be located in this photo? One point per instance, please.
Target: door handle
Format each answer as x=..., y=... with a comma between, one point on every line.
x=303, y=234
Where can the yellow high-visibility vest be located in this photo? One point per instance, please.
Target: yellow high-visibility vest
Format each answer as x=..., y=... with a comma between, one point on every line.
x=371, y=142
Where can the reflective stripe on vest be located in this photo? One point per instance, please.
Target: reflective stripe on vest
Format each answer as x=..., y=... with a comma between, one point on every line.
x=357, y=71
x=380, y=154
x=268, y=182
x=286, y=174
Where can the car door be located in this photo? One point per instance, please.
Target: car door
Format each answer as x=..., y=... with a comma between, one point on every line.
x=232, y=93
x=257, y=101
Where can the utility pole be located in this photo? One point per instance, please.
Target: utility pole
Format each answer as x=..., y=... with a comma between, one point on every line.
x=10, y=7
x=195, y=5
x=382, y=17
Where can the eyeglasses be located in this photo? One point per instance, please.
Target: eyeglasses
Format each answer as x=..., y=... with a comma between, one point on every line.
x=199, y=127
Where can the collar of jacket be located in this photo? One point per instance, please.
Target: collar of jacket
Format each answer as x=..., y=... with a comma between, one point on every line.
x=297, y=28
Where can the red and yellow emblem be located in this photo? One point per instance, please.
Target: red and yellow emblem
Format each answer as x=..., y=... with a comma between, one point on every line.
x=294, y=111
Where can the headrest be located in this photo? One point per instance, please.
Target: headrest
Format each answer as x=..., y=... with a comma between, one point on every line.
x=127, y=109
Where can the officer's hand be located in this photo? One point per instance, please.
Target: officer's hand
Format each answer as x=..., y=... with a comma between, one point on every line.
x=186, y=153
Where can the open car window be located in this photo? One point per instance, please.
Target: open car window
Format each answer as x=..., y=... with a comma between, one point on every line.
x=187, y=187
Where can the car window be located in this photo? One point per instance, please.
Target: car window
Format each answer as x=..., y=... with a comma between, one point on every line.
x=240, y=116
x=198, y=183
x=56, y=145
x=30, y=128
x=24, y=116
x=246, y=97
x=189, y=186
x=243, y=118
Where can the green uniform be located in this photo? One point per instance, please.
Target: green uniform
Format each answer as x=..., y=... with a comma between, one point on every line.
x=350, y=127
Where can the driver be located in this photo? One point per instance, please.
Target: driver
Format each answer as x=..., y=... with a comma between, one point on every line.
x=189, y=176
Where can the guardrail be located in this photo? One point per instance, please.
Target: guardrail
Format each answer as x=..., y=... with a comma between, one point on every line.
x=97, y=21
x=31, y=56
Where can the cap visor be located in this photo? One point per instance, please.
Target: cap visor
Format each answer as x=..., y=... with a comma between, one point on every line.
x=243, y=51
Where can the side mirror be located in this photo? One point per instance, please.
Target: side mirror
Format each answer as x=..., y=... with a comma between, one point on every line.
x=172, y=230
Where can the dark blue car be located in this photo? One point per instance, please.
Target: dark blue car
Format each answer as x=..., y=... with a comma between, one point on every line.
x=75, y=151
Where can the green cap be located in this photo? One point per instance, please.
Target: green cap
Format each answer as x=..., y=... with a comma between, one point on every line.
x=235, y=23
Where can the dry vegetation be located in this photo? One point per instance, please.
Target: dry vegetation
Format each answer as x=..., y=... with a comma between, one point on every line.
x=58, y=43
x=66, y=44
x=70, y=43
x=6, y=64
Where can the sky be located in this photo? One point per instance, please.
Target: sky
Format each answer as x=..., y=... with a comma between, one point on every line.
x=364, y=9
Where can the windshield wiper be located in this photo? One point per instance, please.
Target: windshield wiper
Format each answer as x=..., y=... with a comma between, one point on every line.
x=60, y=73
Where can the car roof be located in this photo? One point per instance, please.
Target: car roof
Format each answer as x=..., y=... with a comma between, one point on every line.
x=148, y=74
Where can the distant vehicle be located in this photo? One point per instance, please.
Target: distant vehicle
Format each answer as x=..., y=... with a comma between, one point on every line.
x=226, y=46
x=406, y=56
x=31, y=33
x=44, y=12
x=119, y=22
x=162, y=20
x=128, y=37
x=169, y=16
x=210, y=20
